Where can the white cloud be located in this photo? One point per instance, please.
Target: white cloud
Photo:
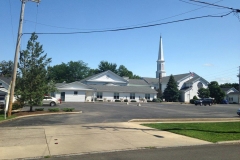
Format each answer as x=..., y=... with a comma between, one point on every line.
x=208, y=65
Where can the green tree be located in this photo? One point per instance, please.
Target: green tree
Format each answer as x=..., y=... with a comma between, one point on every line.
x=229, y=85
x=104, y=66
x=32, y=84
x=203, y=93
x=171, y=93
x=123, y=71
x=70, y=72
x=6, y=68
x=216, y=92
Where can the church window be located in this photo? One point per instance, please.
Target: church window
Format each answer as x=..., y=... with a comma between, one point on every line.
x=116, y=96
x=75, y=92
x=147, y=96
x=99, y=95
x=200, y=85
x=132, y=95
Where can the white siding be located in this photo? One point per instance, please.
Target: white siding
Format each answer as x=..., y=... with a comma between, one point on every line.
x=70, y=97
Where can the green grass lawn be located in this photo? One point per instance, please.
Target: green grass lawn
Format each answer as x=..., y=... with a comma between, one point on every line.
x=212, y=132
x=2, y=116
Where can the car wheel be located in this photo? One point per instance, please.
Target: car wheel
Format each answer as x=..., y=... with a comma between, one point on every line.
x=195, y=104
x=210, y=104
x=52, y=104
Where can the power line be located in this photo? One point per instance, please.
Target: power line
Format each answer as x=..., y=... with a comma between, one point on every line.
x=138, y=27
x=201, y=5
x=236, y=10
x=130, y=25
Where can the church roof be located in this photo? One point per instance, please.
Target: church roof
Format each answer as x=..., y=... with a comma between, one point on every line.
x=137, y=82
x=165, y=79
x=125, y=89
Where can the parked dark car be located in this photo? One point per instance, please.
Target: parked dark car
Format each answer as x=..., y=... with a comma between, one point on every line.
x=238, y=111
x=205, y=101
x=224, y=101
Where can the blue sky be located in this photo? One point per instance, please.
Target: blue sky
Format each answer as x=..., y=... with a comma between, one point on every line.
x=209, y=47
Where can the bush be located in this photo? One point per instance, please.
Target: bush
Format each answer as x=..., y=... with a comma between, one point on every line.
x=53, y=109
x=125, y=100
x=192, y=101
x=16, y=105
x=117, y=100
x=100, y=100
x=39, y=109
x=133, y=101
x=149, y=100
x=156, y=100
x=234, y=103
x=109, y=100
x=195, y=97
x=67, y=109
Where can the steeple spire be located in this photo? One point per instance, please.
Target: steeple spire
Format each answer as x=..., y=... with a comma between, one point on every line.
x=160, y=61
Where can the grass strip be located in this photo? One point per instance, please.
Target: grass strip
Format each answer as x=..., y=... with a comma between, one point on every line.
x=212, y=132
x=2, y=116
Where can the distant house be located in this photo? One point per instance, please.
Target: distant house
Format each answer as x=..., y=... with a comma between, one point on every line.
x=231, y=95
x=4, y=85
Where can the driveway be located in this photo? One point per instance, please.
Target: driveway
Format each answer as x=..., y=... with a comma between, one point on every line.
x=120, y=112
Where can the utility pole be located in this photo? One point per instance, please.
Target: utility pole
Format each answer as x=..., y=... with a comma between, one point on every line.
x=160, y=85
x=239, y=86
x=14, y=74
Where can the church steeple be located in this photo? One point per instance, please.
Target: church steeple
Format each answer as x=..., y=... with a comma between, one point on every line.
x=160, y=61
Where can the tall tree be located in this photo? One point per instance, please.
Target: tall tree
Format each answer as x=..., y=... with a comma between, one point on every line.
x=171, y=93
x=6, y=68
x=70, y=72
x=203, y=93
x=216, y=92
x=32, y=84
x=104, y=66
x=229, y=85
x=123, y=71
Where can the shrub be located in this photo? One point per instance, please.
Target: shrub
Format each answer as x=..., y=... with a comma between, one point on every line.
x=234, y=103
x=109, y=100
x=195, y=97
x=125, y=100
x=67, y=109
x=133, y=101
x=53, y=109
x=16, y=105
x=39, y=109
x=156, y=100
x=100, y=100
x=149, y=100
x=192, y=101
x=117, y=100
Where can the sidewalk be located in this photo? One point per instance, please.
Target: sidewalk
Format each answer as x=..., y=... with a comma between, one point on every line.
x=30, y=142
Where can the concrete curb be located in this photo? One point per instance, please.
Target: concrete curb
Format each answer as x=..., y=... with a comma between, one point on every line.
x=34, y=115
x=186, y=120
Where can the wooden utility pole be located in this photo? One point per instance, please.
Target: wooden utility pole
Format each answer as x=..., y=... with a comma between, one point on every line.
x=160, y=85
x=239, y=86
x=14, y=74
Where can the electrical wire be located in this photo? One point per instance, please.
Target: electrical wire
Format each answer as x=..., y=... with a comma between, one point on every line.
x=138, y=27
x=237, y=10
x=130, y=25
x=201, y=5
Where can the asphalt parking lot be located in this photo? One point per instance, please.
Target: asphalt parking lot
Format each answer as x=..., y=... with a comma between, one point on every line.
x=121, y=112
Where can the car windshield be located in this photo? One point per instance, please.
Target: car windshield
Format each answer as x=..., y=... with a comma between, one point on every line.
x=1, y=98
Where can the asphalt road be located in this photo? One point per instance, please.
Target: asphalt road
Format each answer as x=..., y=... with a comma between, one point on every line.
x=120, y=112
x=203, y=152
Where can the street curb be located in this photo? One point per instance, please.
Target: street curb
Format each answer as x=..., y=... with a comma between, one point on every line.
x=184, y=120
x=34, y=115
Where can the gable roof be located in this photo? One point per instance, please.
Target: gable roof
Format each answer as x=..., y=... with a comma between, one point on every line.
x=228, y=89
x=125, y=89
x=5, y=80
x=74, y=86
x=102, y=73
x=166, y=79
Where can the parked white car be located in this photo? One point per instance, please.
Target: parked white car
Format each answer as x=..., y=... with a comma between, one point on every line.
x=47, y=100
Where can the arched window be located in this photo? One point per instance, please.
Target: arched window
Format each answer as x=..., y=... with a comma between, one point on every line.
x=200, y=85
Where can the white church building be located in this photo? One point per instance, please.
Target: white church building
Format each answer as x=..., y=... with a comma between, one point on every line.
x=108, y=86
